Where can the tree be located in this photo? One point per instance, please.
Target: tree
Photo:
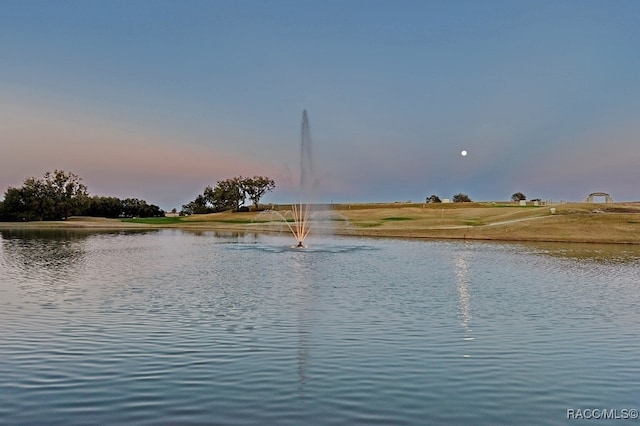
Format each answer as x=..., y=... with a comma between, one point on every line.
x=31, y=201
x=133, y=207
x=461, y=198
x=65, y=192
x=57, y=196
x=227, y=195
x=97, y=206
x=17, y=205
x=518, y=196
x=434, y=199
x=256, y=187
x=197, y=206
x=230, y=194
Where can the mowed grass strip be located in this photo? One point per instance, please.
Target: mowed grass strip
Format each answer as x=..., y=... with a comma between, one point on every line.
x=572, y=222
x=153, y=220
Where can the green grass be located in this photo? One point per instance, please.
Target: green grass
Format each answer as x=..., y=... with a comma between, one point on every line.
x=154, y=220
x=367, y=224
x=240, y=221
x=396, y=218
x=515, y=205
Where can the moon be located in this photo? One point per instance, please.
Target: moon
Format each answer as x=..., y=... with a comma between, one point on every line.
x=463, y=153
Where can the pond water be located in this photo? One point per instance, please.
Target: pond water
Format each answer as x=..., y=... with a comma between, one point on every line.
x=176, y=327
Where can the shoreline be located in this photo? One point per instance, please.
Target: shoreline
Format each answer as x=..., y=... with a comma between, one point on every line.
x=614, y=223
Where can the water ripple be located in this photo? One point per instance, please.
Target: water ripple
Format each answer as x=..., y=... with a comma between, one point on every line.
x=179, y=328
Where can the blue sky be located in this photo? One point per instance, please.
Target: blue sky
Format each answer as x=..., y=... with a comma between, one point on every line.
x=157, y=99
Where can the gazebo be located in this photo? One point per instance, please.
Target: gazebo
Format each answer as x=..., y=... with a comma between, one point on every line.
x=607, y=197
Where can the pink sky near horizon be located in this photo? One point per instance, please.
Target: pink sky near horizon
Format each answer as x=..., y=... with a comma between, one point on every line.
x=157, y=100
x=114, y=157
x=122, y=158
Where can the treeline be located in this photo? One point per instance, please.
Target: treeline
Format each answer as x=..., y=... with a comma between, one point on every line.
x=60, y=195
x=464, y=198
x=458, y=198
x=113, y=207
x=230, y=194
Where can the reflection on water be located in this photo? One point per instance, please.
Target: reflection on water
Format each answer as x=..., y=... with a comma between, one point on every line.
x=464, y=304
x=302, y=277
x=194, y=328
x=49, y=251
x=607, y=253
x=49, y=259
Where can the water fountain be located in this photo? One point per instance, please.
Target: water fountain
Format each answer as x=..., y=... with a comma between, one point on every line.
x=302, y=210
x=298, y=219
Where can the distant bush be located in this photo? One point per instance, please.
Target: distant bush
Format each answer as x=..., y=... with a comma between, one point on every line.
x=518, y=196
x=461, y=198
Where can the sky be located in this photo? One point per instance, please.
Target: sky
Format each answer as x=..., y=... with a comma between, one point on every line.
x=157, y=99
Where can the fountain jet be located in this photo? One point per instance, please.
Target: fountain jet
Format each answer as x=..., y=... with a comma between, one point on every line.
x=301, y=210
x=298, y=219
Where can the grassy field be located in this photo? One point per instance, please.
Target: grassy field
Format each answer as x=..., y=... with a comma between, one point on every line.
x=154, y=220
x=577, y=222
